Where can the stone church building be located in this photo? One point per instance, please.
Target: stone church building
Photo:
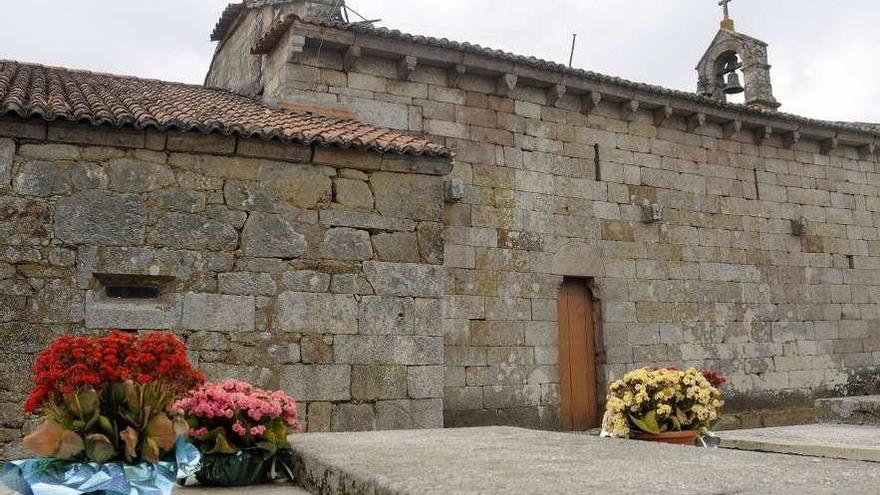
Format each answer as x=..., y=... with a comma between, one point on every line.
x=409, y=232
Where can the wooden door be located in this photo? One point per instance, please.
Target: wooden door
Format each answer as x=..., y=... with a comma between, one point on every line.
x=577, y=357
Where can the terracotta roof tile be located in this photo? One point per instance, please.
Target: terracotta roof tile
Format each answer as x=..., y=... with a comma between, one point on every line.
x=227, y=19
x=122, y=101
x=277, y=30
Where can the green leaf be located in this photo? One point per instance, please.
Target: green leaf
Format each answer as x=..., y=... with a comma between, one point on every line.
x=222, y=446
x=268, y=447
x=648, y=423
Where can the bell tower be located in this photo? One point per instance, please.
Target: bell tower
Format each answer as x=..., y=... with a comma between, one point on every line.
x=731, y=54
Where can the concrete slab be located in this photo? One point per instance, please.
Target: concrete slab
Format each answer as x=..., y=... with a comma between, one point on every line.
x=500, y=460
x=853, y=442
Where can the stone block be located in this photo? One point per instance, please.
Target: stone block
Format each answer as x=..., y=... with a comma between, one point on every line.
x=347, y=244
x=384, y=315
x=41, y=179
x=388, y=349
x=24, y=219
x=206, y=143
x=218, y=312
x=353, y=417
x=183, y=230
x=462, y=398
x=362, y=220
x=101, y=218
x=430, y=236
x=424, y=382
x=102, y=312
x=405, y=279
x=58, y=301
x=138, y=176
x=7, y=153
x=178, y=199
x=260, y=148
x=50, y=151
x=318, y=417
x=246, y=284
x=506, y=396
x=371, y=383
x=397, y=247
x=350, y=283
x=409, y=414
x=348, y=158
x=250, y=196
x=271, y=236
x=354, y=194
x=419, y=197
x=302, y=186
x=306, y=281
x=304, y=312
x=429, y=317
x=307, y=383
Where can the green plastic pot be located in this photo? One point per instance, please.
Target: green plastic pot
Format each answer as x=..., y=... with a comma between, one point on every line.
x=245, y=467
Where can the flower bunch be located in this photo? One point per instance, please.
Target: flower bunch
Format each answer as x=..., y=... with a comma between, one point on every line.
x=71, y=363
x=233, y=415
x=659, y=400
x=107, y=398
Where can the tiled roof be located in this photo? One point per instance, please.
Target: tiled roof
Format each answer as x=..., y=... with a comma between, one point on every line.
x=227, y=19
x=267, y=42
x=121, y=101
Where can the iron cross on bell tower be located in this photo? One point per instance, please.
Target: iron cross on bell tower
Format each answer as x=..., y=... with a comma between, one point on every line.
x=727, y=23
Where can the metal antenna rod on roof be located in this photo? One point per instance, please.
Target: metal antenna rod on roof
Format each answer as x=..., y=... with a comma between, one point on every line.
x=355, y=12
x=574, y=38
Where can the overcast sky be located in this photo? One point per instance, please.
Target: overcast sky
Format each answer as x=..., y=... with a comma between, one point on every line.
x=825, y=54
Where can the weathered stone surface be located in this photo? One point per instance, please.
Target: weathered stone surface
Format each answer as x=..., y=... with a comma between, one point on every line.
x=247, y=284
x=218, y=312
x=7, y=153
x=384, y=315
x=388, y=349
x=101, y=313
x=431, y=242
x=353, y=417
x=93, y=217
x=178, y=199
x=23, y=219
x=271, y=236
x=347, y=244
x=395, y=193
x=317, y=382
x=301, y=186
x=399, y=247
x=137, y=176
x=250, y=196
x=85, y=175
x=41, y=179
x=355, y=194
x=305, y=312
x=405, y=279
x=350, y=283
x=192, y=232
x=378, y=382
x=409, y=414
x=424, y=382
x=859, y=410
x=318, y=417
x=306, y=281
x=58, y=302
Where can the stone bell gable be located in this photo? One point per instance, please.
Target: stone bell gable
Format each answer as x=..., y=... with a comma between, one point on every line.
x=706, y=233
x=296, y=252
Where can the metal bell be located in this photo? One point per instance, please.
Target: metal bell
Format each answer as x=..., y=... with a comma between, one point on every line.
x=733, y=86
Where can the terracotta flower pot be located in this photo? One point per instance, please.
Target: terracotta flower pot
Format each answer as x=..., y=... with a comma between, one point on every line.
x=687, y=437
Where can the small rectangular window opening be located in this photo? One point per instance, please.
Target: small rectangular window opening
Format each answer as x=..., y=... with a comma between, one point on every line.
x=133, y=292
x=134, y=287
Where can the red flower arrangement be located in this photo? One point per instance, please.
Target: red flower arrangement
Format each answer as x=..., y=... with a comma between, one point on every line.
x=110, y=397
x=72, y=363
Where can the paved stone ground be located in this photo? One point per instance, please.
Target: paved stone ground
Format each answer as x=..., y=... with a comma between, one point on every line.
x=852, y=442
x=280, y=489
x=500, y=460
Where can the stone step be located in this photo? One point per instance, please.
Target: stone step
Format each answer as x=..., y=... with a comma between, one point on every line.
x=833, y=441
x=859, y=410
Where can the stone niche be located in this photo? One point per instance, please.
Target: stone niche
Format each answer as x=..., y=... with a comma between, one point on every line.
x=314, y=270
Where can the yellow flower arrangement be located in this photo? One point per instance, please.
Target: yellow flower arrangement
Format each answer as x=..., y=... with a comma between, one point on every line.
x=660, y=400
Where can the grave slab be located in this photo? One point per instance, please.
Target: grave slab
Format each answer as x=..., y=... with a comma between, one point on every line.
x=518, y=461
x=837, y=441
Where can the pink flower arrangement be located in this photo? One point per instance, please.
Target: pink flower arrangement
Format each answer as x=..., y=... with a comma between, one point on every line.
x=233, y=415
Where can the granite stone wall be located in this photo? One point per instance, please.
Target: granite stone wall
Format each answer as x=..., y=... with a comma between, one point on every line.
x=722, y=281
x=314, y=270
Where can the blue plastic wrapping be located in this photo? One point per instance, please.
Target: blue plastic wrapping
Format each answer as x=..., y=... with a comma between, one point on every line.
x=55, y=477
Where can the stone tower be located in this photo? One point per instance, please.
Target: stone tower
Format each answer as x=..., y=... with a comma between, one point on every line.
x=241, y=24
x=729, y=51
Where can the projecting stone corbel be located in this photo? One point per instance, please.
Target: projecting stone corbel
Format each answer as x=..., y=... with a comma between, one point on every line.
x=867, y=151
x=555, y=94
x=455, y=73
x=696, y=121
x=297, y=46
x=789, y=139
x=506, y=84
x=732, y=129
x=663, y=115
x=628, y=109
x=351, y=57
x=590, y=101
x=762, y=134
x=407, y=66
x=829, y=145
